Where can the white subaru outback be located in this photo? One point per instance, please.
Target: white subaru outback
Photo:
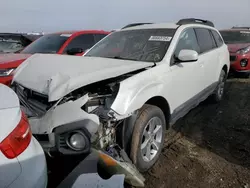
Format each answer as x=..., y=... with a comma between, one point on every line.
x=126, y=91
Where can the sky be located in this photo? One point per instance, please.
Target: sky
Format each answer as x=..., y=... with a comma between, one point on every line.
x=58, y=15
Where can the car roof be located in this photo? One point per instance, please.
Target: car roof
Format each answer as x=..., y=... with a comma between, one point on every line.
x=185, y=22
x=80, y=31
x=154, y=26
x=165, y=26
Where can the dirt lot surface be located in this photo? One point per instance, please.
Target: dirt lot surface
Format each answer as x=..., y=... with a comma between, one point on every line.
x=210, y=147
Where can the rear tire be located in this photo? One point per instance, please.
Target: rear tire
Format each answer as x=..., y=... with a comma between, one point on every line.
x=148, y=137
x=219, y=91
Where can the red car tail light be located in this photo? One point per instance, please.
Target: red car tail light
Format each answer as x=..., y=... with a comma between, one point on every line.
x=18, y=140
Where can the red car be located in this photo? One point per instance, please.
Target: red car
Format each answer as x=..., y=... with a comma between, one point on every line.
x=238, y=41
x=71, y=43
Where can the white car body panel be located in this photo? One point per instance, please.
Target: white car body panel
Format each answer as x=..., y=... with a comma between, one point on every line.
x=56, y=75
x=34, y=167
x=9, y=104
x=10, y=170
x=10, y=116
x=24, y=170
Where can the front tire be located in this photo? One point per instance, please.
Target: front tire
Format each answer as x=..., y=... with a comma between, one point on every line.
x=219, y=91
x=148, y=137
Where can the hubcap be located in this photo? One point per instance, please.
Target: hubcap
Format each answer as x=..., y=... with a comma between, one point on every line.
x=151, y=139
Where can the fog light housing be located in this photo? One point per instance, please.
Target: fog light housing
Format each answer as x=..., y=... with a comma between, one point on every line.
x=77, y=141
x=243, y=62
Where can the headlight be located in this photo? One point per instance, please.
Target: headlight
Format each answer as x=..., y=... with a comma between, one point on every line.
x=243, y=62
x=6, y=72
x=244, y=50
x=76, y=141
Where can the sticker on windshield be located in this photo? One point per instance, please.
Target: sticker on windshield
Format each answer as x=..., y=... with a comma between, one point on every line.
x=65, y=35
x=160, y=38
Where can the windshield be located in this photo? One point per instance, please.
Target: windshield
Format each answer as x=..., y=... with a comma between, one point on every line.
x=10, y=45
x=50, y=43
x=236, y=37
x=148, y=45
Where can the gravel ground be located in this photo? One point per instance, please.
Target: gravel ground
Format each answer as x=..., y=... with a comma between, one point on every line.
x=210, y=147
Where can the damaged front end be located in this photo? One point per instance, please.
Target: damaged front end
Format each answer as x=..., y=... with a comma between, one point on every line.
x=80, y=122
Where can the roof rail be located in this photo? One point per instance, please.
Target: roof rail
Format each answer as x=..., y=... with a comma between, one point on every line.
x=134, y=24
x=236, y=27
x=195, y=21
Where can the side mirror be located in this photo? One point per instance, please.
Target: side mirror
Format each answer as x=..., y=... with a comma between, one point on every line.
x=74, y=51
x=187, y=56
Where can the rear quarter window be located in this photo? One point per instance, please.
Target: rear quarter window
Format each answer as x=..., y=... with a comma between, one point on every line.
x=217, y=37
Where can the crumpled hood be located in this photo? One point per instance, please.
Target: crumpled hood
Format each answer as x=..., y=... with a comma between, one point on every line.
x=7, y=58
x=57, y=75
x=235, y=47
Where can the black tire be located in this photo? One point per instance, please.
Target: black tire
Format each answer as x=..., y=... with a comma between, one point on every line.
x=147, y=112
x=219, y=91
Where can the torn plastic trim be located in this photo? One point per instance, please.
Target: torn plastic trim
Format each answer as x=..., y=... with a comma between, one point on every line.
x=116, y=116
x=65, y=113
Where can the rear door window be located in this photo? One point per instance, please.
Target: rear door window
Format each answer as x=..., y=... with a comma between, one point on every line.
x=205, y=39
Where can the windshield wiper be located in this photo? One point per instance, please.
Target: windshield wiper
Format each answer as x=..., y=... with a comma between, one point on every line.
x=122, y=58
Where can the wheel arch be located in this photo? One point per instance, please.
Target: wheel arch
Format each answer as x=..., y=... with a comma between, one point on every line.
x=128, y=124
x=225, y=68
x=163, y=104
